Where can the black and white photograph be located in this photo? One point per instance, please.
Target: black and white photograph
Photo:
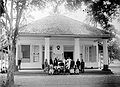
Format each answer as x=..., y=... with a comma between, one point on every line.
x=59, y=43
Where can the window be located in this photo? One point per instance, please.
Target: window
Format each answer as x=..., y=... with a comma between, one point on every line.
x=35, y=53
x=90, y=53
x=25, y=49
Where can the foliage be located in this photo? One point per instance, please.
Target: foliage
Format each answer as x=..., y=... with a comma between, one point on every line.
x=114, y=49
x=38, y=3
x=101, y=11
x=43, y=4
x=75, y=4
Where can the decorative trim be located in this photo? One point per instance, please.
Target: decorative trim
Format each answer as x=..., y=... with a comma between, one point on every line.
x=58, y=47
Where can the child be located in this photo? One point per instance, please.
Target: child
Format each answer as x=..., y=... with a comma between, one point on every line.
x=51, y=71
x=76, y=70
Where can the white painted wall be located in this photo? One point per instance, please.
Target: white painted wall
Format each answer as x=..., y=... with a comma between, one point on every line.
x=54, y=42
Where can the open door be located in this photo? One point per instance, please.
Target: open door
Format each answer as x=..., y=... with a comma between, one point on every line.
x=68, y=54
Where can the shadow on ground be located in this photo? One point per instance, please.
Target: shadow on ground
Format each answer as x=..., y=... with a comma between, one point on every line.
x=42, y=73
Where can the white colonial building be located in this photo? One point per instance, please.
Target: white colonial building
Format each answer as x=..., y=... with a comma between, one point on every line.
x=62, y=37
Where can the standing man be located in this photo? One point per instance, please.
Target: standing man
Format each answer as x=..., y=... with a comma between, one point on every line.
x=19, y=63
x=82, y=66
x=72, y=64
x=78, y=64
x=46, y=65
x=51, y=61
x=55, y=62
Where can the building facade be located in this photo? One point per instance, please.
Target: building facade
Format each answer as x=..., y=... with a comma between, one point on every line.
x=58, y=36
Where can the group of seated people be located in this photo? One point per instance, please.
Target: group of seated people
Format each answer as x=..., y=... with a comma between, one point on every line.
x=64, y=66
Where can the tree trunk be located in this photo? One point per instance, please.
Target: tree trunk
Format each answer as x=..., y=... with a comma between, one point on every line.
x=10, y=73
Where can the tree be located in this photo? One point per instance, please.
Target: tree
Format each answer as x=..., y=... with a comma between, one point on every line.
x=15, y=12
x=104, y=11
x=101, y=11
x=11, y=15
x=114, y=49
x=54, y=3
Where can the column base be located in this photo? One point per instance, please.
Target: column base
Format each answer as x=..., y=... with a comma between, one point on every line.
x=105, y=68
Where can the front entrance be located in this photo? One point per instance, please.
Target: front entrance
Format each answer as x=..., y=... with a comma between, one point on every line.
x=68, y=54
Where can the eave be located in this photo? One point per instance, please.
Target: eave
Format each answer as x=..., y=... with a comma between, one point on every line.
x=105, y=36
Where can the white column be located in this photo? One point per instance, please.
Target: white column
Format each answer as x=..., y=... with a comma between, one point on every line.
x=83, y=52
x=97, y=55
x=80, y=52
x=76, y=50
x=105, y=56
x=40, y=55
x=31, y=53
x=20, y=51
x=47, y=49
x=17, y=54
x=105, y=52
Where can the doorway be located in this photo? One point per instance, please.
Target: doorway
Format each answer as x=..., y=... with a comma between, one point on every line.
x=68, y=54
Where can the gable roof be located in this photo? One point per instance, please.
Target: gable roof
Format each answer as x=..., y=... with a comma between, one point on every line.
x=60, y=25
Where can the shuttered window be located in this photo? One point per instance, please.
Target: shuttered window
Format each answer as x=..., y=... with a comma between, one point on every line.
x=90, y=54
x=25, y=49
x=35, y=53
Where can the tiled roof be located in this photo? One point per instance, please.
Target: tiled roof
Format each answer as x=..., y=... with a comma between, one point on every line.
x=58, y=24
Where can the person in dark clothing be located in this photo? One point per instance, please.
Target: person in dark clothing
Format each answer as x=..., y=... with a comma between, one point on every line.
x=55, y=62
x=51, y=61
x=19, y=64
x=72, y=64
x=78, y=64
x=45, y=65
x=82, y=66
